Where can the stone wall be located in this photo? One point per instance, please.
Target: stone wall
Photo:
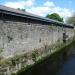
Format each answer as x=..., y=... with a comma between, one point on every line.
x=19, y=37
x=51, y=64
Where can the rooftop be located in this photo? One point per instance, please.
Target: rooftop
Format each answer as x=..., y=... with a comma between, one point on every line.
x=16, y=12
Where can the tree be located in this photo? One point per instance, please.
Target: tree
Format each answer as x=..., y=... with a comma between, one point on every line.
x=55, y=16
x=18, y=8
x=21, y=9
x=71, y=20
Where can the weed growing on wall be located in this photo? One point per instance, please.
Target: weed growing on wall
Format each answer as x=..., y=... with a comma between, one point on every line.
x=34, y=55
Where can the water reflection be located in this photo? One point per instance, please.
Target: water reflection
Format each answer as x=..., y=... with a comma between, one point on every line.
x=68, y=67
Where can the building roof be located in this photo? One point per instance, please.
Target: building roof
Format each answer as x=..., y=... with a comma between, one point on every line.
x=17, y=12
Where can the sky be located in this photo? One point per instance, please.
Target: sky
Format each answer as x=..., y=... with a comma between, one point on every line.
x=65, y=8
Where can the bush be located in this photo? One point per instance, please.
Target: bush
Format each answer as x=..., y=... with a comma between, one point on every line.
x=34, y=55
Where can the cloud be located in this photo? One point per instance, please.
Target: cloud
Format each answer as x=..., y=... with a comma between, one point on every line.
x=47, y=8
x=42, y=11
x=20, y=4
x=63, y=12
x=49, y=4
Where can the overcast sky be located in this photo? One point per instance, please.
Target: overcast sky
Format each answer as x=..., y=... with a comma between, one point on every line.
x=64, y=8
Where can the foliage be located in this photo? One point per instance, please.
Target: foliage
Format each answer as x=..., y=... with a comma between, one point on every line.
x=19, y=58
x=55, y=16
x=21, y=9
x=71, y=20
x=5, y=62
x=34, y=55
x=1, y=50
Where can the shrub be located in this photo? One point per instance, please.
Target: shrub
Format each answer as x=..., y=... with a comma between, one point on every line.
x=34, y=55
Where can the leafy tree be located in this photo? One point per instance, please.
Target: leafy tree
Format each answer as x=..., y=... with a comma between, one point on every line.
x=55, y=16
x=18, y=8
x=71, y=20
x=21, y=9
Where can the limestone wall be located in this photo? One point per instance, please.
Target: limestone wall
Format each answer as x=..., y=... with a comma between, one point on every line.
x=19, y=37
x=51, y=64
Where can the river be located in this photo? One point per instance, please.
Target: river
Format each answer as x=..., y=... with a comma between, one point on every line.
x=68, y=67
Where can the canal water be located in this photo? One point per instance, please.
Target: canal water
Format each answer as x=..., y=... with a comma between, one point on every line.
x=68, y=67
